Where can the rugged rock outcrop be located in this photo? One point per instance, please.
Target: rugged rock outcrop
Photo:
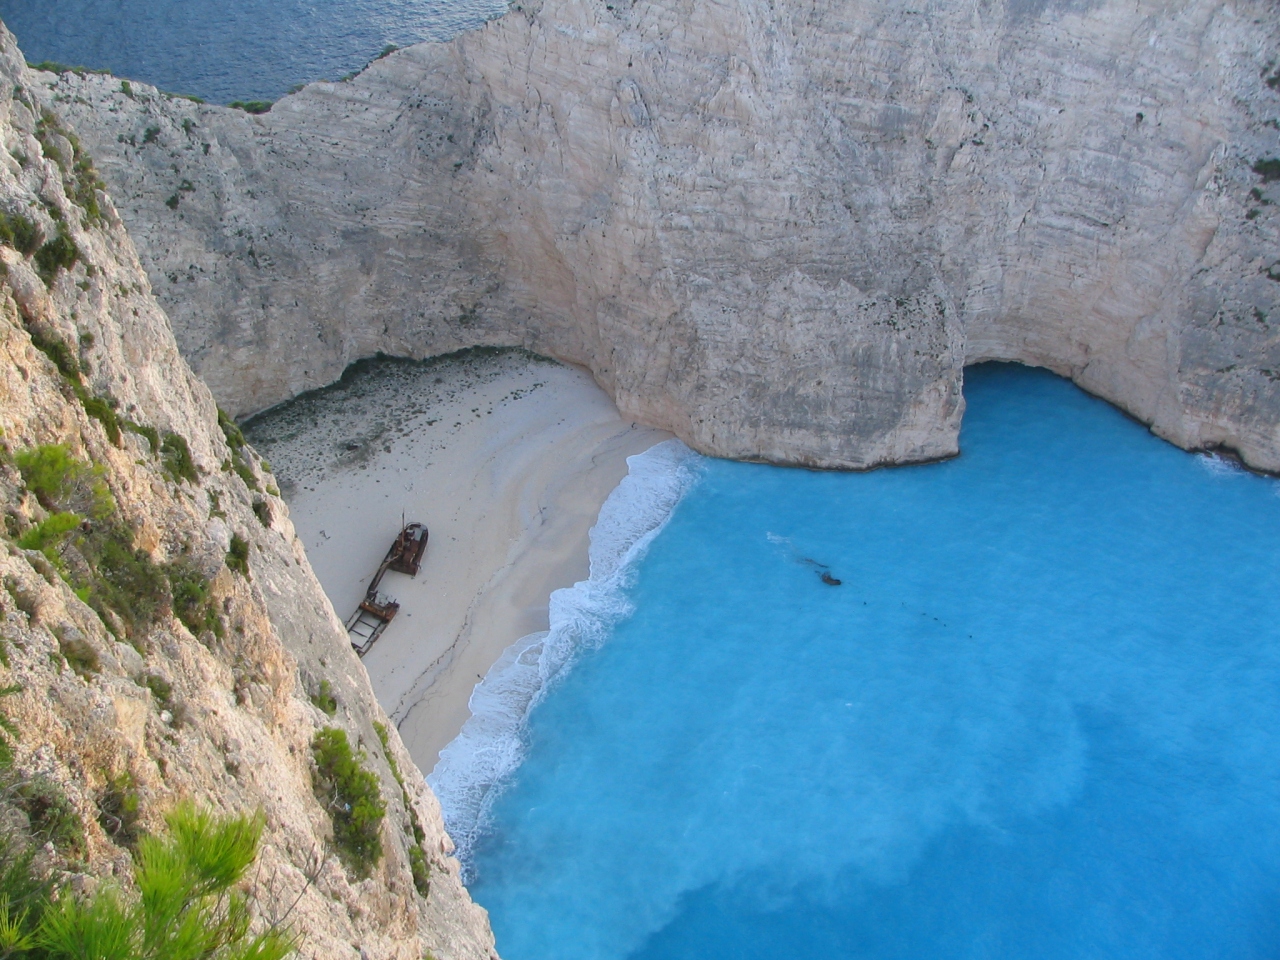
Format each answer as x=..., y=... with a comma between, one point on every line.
x=218, y=706
x=778, y=229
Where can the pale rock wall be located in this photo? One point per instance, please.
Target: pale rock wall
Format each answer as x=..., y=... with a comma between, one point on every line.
x=778, y=228
x=236, y=734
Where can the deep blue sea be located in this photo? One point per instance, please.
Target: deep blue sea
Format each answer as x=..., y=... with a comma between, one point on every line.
x=1039, y=718
x=232, y=49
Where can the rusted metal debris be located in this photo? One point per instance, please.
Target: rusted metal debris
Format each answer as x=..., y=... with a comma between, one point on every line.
x=376, y=610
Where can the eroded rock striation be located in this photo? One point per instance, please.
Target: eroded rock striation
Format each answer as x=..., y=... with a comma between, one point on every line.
x=779, y=229
x=149, y=670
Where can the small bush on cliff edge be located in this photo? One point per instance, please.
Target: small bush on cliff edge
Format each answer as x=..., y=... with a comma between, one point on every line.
x=119, y=810
x=62, y=481
x=252, y=106
x=176, y=459
x=350, y=793
x=60, y=253
x=123, y=584
x=418, y=865
x=20, y=233
x=192, y=602
x=238, y=555
x=1268, y=170
x=186, y=906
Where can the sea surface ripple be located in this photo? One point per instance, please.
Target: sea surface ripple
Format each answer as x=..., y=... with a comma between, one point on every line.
x=232, y=49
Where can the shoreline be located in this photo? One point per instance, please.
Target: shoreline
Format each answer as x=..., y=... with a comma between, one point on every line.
x=474, y=767
x=507, y=457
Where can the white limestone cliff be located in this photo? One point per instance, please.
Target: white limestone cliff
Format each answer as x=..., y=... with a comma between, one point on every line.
x=779, y=229
x=221, y=716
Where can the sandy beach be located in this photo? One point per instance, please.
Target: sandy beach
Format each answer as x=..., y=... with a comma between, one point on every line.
x=505, y=456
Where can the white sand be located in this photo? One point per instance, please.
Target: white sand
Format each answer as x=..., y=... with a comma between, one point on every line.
x=506, y=458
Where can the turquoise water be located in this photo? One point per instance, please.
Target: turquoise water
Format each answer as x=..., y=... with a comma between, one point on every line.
x=232, y=49
x=1039, y=718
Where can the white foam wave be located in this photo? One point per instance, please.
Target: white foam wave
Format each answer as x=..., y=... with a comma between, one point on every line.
x=1220, y=466
x=473, y=768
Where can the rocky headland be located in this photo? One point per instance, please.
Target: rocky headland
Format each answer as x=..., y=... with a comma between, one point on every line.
x=162, y=635
x=779, y=230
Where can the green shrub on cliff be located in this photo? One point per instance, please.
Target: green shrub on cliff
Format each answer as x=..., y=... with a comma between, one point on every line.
x=8, y=729
x=251, y=106
x=24, y=897
x=20, y=233
x=79, y=178
x=183, y=904
x=262, y=510
x=418, y=865
x=237, y=443
x=324, y=700
x=186, y=906
x=230, y=430
x=62, y=481
x=238, y=555
x=350, y=793
x=101, y=410
x=53, y=66
x=1268, y=169
x=48, y=533
x=175, y=456
x=124, y=585
x=119, y=809
x=50, y=815
x=148, y=432
x=60, y=253
x=192, y=603
x=64, y=358
x=58, y=351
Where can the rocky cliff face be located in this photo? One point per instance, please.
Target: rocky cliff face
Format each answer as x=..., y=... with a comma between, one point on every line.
x=150, y=671
x=778, y=229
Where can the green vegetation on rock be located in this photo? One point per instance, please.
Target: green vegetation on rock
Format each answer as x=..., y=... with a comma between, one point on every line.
x=57, y=477
x=53, y=66
x=49, y=531
x=20, y=233
x=64, y=358
x=151, y=434
x=119, y=809
x=175, y=456
x=183, y=904
x=88, y=541
x=349, y=792
x=418, y=865
x=324, y=700
x=236, y=441
x=60, y=253
x=238, y=555
x=262, y=510
x=192, y=603
x=79, y=178
x=1268, y=169
x=50, y=816
x=80, y=655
